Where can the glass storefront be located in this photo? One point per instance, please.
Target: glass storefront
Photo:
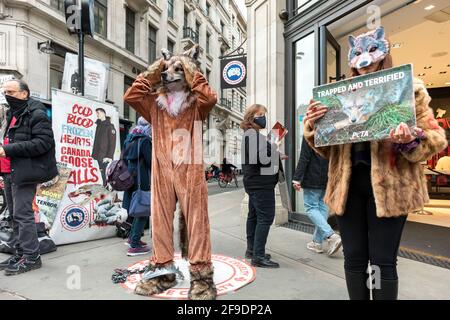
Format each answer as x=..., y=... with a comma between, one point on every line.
x=419, y=33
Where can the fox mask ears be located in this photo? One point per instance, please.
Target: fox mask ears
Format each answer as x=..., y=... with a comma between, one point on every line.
x=378, y=34
x=193, y=52
x=166, y=54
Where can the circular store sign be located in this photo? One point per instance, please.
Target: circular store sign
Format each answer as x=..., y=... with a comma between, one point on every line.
x=234, y=72
x=229, y=275
x=74, y=218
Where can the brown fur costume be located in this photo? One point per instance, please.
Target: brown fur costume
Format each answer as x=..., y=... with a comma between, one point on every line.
x=176, y=178
x=398, y=180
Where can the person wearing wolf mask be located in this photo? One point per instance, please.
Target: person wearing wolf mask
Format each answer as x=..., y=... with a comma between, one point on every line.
x=372, y=186
x=174, y=96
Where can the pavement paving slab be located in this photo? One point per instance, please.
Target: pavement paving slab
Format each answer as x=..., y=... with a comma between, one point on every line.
x=83, y=271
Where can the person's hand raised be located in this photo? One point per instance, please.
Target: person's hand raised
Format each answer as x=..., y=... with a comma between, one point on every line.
x=314, y=112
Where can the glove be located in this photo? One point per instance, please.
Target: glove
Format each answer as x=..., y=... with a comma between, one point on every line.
x=153, y=72
x=107, y=160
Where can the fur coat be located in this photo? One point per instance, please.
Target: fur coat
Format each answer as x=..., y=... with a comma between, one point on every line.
x=398, y=179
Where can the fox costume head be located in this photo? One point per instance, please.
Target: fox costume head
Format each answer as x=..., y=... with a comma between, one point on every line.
x=174, y=94
x=367, y=48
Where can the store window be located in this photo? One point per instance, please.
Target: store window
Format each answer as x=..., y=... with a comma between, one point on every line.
x=170, y=9
x=58, y=5
x=130, y=29
x=100, y=16
x=170, y=45
x=186, y=18
x=208, y=40
x=305, y=53
x=152, y=44
x=128, y=82
x=197, y=30
x=208, y=9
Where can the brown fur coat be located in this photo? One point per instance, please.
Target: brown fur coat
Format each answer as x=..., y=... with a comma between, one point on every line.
x=398, y=180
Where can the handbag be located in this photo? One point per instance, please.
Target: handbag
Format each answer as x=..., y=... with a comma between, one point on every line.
x=140, y=200
x=117, y=174
x=284, y=191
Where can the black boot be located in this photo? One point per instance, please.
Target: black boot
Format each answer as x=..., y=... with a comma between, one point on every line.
x=387, y=291
x=357, y=285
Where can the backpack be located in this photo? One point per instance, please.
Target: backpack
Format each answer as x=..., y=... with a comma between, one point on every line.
x=117, y=174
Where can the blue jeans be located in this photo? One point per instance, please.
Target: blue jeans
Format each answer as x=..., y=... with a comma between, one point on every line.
x=317, y=211
x=137, y=228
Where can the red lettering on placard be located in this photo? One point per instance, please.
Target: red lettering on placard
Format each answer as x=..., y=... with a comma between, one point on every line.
x=84, y=111
x=85, y=175
x=79, y=121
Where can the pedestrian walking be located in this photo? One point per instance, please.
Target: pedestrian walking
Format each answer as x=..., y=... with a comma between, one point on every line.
x=372, y=186
x=311, y=175
x=27, y=159
x=138, y=152
x=260, y=165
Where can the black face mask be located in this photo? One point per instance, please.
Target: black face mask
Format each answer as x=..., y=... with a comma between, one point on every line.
x=260, y=121
x=16, y=104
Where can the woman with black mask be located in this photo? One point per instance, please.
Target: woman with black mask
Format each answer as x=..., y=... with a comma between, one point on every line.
x=260, y=165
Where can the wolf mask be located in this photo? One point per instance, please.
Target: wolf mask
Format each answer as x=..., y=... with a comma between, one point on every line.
x=175, y=92
x=367, y=48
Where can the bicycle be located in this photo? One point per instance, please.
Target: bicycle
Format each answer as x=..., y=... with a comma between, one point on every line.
x=225, y=179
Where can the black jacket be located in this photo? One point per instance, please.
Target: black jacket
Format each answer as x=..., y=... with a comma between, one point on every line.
x=257, y=160
x=132, y=157
x=312, y=169
x=31, y=146
x=104, y=141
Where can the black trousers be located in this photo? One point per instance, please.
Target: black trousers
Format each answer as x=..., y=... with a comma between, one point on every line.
x=261, y=213
x=365, y=237
x=20, y=207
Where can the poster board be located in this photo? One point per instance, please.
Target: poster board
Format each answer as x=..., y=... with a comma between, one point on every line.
x=96, y=74
x=86, y=138
x=366, y=107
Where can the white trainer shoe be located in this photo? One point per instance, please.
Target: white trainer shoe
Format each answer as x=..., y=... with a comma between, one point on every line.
x=334, y=243
x=314, y=246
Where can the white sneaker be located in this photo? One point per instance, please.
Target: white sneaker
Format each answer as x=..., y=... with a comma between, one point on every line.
x=334, y=243
x=314, y=246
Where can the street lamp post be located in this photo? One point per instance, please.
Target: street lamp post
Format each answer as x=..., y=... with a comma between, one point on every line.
x=80, y=21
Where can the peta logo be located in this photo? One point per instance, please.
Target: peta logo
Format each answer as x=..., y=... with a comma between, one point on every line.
x=234, y=72
x=359, y=135
x=74, y=218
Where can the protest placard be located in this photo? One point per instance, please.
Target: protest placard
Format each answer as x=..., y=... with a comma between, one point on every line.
x=366, y=107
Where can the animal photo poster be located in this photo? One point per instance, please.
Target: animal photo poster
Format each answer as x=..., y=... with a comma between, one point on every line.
x=87, y=139
x=366, y=107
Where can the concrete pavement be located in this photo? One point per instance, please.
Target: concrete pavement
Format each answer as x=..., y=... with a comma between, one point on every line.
x=303, y=274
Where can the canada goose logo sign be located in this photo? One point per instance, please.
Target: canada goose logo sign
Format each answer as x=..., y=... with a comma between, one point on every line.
x=74, y=218
x=234, y=73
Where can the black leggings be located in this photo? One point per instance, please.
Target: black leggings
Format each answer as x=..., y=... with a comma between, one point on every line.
x=365, y=237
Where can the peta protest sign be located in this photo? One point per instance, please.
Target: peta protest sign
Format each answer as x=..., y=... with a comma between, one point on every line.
x=86, y=139
x=366, y=107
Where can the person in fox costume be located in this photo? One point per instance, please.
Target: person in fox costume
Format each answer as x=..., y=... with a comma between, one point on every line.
x=174, y=96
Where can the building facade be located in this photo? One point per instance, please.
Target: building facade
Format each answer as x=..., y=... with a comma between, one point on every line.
x=129, y=35
x=295, y=45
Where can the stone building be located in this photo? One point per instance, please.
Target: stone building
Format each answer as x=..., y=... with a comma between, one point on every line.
x=129, y=34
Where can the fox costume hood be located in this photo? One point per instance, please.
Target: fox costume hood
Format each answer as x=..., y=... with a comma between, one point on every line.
x=176, y=98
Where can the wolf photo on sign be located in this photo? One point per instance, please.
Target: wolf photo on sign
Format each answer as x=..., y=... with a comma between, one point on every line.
x=365, y=108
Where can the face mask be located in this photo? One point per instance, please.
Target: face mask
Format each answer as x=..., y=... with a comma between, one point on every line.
x=260, y=121
x=15, y=103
